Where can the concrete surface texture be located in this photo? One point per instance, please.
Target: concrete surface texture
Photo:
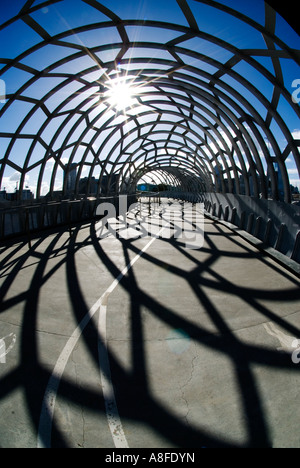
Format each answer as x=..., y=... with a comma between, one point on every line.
x=140, y=342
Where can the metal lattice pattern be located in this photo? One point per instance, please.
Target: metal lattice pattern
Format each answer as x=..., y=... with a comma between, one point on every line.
x=211, y=105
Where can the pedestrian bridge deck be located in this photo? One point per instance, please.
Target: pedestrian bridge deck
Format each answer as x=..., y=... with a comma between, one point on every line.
x=142, y=342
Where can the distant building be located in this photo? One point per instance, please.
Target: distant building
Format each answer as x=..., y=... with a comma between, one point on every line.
x=71, y=178
x=88, y=188
x=294, y=190
x=279, y=181
x=27, y=195
x=109, y=184
x=218, y=180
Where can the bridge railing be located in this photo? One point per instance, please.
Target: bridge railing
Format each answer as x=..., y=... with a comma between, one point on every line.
x=23, y=220
x=275, y=224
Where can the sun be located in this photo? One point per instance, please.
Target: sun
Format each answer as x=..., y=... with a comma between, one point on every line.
x=120, y=94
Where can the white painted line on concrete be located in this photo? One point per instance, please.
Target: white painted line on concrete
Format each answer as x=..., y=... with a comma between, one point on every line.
x=48, y=405
x=112, y=413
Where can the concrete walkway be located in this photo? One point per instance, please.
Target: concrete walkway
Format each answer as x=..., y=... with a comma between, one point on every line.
x=141, y=343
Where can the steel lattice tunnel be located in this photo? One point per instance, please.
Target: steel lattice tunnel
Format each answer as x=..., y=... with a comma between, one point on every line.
x=98, y=97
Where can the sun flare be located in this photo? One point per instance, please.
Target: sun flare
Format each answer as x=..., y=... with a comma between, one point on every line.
x=120, y=94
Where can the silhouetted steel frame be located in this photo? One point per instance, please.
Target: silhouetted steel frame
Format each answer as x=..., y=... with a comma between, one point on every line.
x=212, y=95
